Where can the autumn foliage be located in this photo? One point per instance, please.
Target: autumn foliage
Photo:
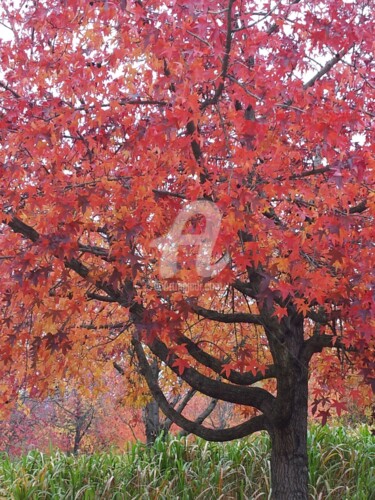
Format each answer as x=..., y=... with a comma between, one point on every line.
x=115, y=116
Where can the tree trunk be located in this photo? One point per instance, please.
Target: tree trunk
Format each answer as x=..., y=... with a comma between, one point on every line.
x=151, y=421
x=77, y=439
x=151, y=416
x=289, y=461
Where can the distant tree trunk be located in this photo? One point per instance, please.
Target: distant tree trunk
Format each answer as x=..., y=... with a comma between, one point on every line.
x=289, y=460
x=81, y=426
x=77, y=440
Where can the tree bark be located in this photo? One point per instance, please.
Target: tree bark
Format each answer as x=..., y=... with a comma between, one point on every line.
x=289, y=460
x=151, y=421
x=151, y=416
x=77, y=440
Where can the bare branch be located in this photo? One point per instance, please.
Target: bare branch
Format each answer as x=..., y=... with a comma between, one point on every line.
x=308, y=173
x=180, y=408
x=264, y=15
x=188, y=396
x=202, y=417
x=326, y=68
x=118, y=368
x=9, y=89
x=199, y=38
x=227, y=317
x=244, y=87
x=142, y=102
x=161, y=192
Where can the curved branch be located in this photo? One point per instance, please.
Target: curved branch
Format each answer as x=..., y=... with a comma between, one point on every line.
x=247, y=396
x=249, y=427
x=217, y=366
x=317, y=343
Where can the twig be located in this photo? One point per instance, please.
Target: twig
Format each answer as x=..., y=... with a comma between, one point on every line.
x=225, y=64
x=6, y=87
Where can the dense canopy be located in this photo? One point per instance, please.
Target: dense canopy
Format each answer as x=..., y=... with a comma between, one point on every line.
x=118, y=117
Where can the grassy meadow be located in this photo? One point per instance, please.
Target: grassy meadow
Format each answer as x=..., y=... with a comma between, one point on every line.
x=342, y=467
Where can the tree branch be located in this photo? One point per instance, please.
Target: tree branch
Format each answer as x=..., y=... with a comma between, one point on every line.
x=180, y=408
x=124, y=102
x=314, y=171
x=95, y=250
x=358, y=209
x=197, y=151
x=202, y=417
x=162, y=192
x=119, y=368
x=319, y=317
x=253, y=319
x=9, y=89
x=74, y=264
x=101, y=298
x=249, y=427
x=218, y=366
x=317, y=343
x=326, y=68
x=225, y=63
x=248, y=396
x=20, y=227
x=264, y=15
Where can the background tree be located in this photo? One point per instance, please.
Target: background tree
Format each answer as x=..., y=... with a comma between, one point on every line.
x=73, y=420
x=116, y=116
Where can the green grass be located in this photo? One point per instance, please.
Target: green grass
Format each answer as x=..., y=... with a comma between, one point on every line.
x=341, y=467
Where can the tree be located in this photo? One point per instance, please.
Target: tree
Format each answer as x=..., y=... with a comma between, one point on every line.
x=192, y=180
x=72, y=420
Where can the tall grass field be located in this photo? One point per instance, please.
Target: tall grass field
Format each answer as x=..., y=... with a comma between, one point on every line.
x=342, y=466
